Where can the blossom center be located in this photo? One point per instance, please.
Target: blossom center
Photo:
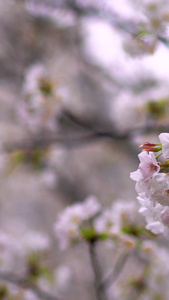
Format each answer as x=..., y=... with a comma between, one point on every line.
x=152, y=167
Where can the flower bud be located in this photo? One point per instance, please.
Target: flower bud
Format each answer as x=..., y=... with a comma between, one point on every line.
x=150, y=147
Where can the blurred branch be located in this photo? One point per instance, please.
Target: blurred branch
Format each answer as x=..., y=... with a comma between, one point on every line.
x=112, y=276
x=99, y=289
x=47, y=141
x=150, y=127
x=26, y=284
x=91, y=136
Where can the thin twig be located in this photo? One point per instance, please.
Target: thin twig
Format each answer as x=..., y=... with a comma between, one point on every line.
x=99, y=290
x=43, y=142
x=112, y=276
x=26, y=284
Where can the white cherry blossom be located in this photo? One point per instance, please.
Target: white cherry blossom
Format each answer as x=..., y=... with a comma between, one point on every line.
x=164, y=139
x=156, y=188
x=69, y=223
x=155, y=215
x=105, y=222
x=91, y=207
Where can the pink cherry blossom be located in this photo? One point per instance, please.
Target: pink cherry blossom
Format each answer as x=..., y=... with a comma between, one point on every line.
x=147, y=168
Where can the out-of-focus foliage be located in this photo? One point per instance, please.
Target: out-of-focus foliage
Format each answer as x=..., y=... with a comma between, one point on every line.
x=83, y=83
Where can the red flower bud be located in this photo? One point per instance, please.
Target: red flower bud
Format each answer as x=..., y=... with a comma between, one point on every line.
x=150, y=147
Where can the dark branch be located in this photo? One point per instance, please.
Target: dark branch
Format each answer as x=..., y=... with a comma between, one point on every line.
x=47, y=141
x=99, y=289
x=78, y=141
x=88, y=133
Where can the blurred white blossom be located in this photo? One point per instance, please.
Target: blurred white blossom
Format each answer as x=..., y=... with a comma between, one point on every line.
x=70, y=222
x=42, y=103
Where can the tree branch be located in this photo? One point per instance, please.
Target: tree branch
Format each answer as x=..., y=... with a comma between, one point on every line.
x=112, y=276
x=92, y=135
x=44, y=142
x=99, y=289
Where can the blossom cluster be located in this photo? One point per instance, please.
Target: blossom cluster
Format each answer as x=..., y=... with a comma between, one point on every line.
x=152, y=184
x=89, y=221
x=38, y=114
x=150, y=280
x=124, y=227
x=153, y=22
x=151, y=19
x=149, y=107
x=24, y=252
x=69, y=226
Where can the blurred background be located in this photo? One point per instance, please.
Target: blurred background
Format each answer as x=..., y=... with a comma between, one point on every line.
x=82, y=84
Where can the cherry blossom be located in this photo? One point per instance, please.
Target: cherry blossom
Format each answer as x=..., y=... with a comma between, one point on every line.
x=152, y=185
x=164, y=139
x=91, y=207
x=70, y=223
x=147, y=168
